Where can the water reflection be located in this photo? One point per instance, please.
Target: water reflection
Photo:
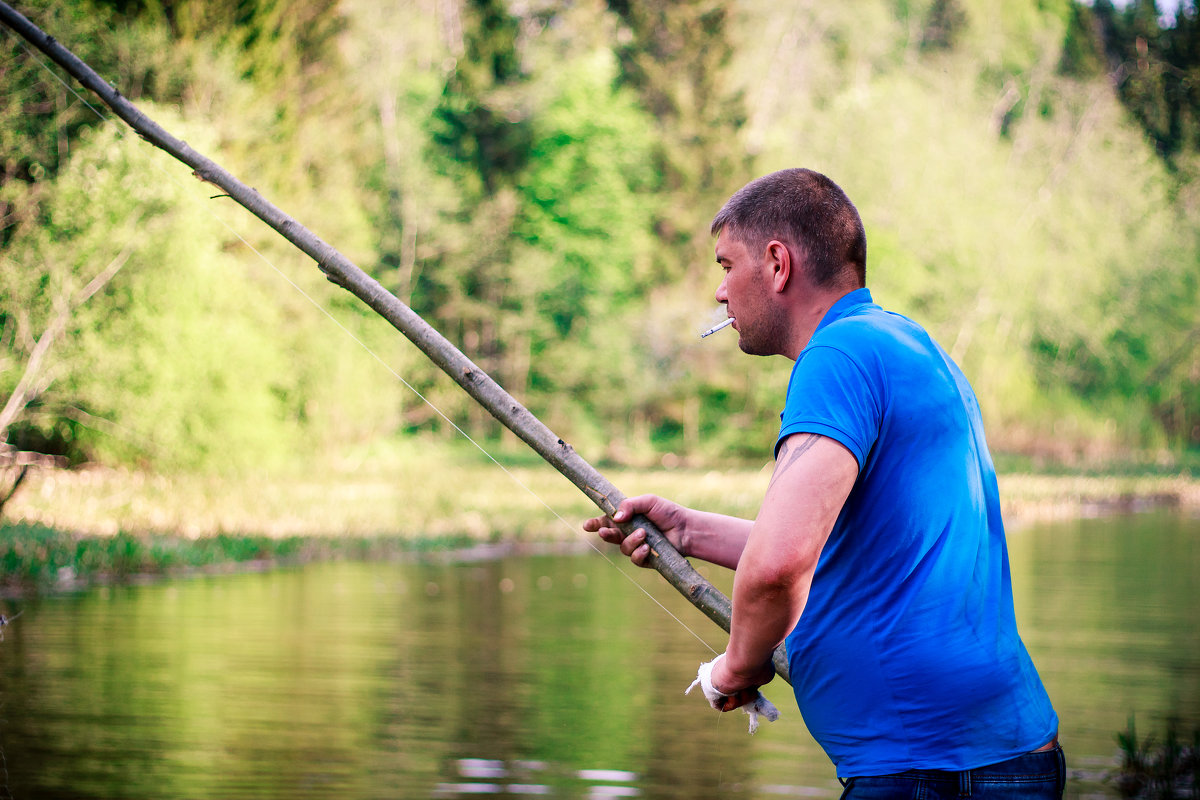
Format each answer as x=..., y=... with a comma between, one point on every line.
x=487, y=776
x=1109, y=613
x=541, y=676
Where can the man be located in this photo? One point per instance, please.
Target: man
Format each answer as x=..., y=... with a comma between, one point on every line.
x=878, y=555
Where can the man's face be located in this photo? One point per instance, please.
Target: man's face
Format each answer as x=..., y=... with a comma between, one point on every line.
x=746, y=292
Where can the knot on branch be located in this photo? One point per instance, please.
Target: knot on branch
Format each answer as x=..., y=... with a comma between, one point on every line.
x=331, y=276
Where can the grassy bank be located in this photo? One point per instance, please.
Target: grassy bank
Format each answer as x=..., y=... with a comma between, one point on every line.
x=409, y=494
x=70, y=526
x=1152, y=768
x=40, y=558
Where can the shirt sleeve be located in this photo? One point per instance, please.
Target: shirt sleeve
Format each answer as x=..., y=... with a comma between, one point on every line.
x=831, y=394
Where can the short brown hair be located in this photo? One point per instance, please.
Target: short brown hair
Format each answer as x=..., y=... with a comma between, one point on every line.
x=806, y=210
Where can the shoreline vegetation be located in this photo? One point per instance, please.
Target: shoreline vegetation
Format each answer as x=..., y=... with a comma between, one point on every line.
x=67, y=529
x=1155, y=769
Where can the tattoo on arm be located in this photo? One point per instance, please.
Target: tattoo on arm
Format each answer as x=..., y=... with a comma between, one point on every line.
x=789, y=455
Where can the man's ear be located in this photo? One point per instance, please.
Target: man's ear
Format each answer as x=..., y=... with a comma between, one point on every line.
x=779, y=259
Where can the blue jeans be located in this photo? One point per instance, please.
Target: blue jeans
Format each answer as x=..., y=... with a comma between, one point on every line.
x=1039, y=775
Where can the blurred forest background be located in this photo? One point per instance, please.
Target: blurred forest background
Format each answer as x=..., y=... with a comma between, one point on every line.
x=536, y=178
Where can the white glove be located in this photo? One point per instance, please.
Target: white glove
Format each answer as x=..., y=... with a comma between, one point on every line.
x=759, y=706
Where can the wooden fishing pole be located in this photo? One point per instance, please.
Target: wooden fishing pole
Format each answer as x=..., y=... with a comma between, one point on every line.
x=339, y=269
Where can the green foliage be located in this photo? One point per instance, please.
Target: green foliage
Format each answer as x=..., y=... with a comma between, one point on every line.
x=480, y=121
x=176, y=356
x=537, y=180
x=555, y=235
x=584, y=242
x=676, y=56
x=1157, y=71
x=38, y=117
x=192, y=357
x=1009, y=210
x=39, y=557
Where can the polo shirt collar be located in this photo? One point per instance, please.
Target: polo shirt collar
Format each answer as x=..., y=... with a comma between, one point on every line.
x=846, y=304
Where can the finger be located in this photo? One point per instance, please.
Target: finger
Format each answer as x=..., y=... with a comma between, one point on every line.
x=636, y=547
x=632, y=542
x=612, y=535
x=597, y=523
x=640, y=556
x=631, y=506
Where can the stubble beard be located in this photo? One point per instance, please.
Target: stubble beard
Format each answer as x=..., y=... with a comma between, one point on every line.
x=764, y=338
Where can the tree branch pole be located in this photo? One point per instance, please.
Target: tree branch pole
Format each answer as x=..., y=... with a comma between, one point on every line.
x=339, y=269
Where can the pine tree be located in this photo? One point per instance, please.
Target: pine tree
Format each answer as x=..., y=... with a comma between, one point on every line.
x=675, y=56
x=480, y=122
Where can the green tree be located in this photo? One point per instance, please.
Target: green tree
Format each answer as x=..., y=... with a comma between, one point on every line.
x=40, y=117
x=675, y=55
x=173, y=363
x=305, y=375
x=1156, y=69
x=480, y=122
x=480, y=140
x=583, y=260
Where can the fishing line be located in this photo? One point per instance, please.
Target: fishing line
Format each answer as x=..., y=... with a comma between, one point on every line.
x=189, y=191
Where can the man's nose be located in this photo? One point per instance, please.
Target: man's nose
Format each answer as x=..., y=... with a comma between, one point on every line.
x=722, y=296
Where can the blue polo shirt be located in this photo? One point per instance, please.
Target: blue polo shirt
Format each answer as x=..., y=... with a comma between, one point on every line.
x=907, y=654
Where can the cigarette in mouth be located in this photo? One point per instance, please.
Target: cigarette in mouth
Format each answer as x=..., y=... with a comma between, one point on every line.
x=728, y=321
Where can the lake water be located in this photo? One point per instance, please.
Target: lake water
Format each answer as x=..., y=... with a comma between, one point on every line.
x=550, y=676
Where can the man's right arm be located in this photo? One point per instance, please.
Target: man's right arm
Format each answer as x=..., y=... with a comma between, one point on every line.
x=716, y=538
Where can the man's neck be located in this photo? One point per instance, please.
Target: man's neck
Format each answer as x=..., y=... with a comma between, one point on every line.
x=809, y=315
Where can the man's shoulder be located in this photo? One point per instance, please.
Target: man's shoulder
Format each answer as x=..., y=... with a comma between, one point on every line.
x=885, y=347
x=868, y=327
